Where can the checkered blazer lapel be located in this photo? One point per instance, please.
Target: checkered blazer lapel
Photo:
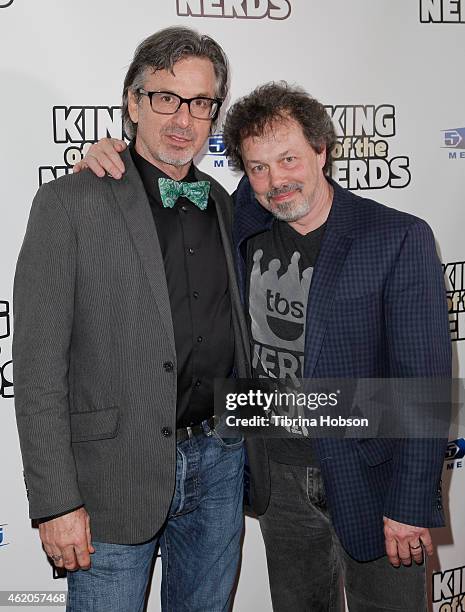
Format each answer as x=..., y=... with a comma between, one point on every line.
x=334, y=250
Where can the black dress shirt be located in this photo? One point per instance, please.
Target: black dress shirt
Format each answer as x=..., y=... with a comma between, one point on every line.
x=197, y=280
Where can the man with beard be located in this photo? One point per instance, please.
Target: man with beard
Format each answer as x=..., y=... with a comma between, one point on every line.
x=126, y=309
x=368, y=301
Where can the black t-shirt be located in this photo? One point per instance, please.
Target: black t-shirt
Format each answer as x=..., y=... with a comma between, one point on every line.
x=280, y=265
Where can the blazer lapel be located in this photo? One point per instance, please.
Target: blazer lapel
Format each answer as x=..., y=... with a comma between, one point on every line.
x=130, y=194
x=334, y=249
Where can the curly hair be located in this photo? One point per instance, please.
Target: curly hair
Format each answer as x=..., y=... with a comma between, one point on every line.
x=253, y=114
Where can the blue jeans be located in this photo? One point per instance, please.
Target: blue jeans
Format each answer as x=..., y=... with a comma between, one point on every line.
x=199, y=542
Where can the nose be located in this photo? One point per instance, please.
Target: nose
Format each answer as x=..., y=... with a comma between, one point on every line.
x=182, y=115
x=277, y=177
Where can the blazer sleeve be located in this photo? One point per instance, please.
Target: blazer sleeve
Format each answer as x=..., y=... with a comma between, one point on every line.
x=43, y=304
x=419, y=345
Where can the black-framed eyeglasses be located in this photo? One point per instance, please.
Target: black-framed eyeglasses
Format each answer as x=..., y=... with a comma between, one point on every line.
x=168, y=103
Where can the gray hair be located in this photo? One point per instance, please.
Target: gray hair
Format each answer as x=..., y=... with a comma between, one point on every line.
x=161, y=51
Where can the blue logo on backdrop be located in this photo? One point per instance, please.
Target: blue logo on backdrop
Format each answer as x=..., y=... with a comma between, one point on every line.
x=455, y=453
x=216, y=145
x=454, y=139
x=455, y=449
x=216, y=150
x=2, y=535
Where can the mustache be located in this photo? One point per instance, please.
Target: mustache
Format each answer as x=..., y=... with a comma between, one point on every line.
x=177, y=131
x=277, y=191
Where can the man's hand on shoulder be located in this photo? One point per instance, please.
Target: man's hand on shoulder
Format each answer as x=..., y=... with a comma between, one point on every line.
x=405, y=543
x=67, y=540
x=103, y=157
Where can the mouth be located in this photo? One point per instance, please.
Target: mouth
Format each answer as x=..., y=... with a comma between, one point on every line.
x=179, y=141
x=284, y=194
x=284, y=197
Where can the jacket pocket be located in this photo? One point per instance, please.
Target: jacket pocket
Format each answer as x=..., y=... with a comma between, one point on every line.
x=94, y=425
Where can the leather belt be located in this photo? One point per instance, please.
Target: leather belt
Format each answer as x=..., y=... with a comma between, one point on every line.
x=184, y=433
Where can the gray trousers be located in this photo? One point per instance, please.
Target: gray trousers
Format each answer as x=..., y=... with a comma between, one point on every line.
x=307, y=565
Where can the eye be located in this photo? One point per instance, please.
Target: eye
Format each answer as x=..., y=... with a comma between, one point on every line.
x=201, y=103
x=289, y=159
x=258, y=168
x=166, y=98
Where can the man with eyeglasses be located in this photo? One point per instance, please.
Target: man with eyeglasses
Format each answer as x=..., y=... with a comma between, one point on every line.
x=126, y=309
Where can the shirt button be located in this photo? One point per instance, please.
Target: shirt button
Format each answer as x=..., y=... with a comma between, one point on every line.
x=166, y=431
x=196, y=294
x=199, y=338
x=198, y=382
x=169, y=366
x=190, y=251
x=184, y=208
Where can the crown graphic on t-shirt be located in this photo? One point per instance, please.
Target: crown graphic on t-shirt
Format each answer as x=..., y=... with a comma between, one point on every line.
x=278, y=304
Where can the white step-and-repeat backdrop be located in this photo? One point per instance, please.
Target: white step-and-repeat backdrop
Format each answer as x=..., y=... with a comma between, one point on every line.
x=391, y=75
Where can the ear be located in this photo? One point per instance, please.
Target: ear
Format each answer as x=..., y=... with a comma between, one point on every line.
x=133, y=107
x=322, y=158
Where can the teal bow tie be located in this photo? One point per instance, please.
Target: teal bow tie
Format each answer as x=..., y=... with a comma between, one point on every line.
x=171, y=190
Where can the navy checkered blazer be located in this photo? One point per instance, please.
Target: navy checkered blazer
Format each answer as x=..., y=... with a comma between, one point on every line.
x=376, y=308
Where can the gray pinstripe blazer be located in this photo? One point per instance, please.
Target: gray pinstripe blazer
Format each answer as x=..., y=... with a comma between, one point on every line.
x=93, y=338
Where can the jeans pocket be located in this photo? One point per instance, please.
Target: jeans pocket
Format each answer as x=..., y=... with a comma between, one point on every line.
x=315, y=489
x=227, y=443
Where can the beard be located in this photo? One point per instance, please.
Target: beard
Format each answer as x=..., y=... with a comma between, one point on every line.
x=290, y=211
x=177, y=159
x=287, y=211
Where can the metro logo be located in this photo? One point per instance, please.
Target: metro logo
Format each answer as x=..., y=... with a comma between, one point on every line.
x=454, y=138
x=455, y=450
x=216, y=145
